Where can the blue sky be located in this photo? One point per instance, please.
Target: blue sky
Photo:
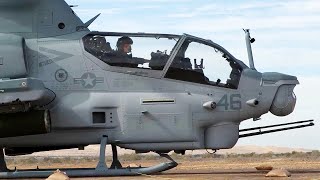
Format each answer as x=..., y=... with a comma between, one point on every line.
x=287, y=37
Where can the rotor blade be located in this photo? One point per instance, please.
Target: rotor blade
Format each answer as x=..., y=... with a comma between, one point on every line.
x=276, y=125
x=274, y=130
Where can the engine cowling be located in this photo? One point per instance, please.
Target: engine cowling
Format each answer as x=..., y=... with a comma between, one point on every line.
x=12, y=56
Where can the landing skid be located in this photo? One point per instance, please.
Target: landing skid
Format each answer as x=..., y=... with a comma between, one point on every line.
x=101, y=170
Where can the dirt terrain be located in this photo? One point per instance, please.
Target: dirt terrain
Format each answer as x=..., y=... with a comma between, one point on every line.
x=232, y=166
x=93, y=150
x=236, y=163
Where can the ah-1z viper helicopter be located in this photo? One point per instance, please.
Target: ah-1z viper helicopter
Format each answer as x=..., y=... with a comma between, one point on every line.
x=62, y=87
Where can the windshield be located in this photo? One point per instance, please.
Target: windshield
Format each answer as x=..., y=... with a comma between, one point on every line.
x=201, y=62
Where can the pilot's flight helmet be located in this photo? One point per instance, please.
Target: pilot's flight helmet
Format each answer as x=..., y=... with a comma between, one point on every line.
x=123, y=40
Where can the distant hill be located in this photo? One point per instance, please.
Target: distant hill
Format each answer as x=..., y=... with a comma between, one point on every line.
x=93, y=150
x=261, y=149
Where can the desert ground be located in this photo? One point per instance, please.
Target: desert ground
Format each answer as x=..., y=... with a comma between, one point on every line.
x=303, y=164
x=194, y=167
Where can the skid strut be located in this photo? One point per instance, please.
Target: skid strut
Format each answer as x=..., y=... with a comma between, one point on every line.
x=101, y=169
x=115, y=161
x=3, y=165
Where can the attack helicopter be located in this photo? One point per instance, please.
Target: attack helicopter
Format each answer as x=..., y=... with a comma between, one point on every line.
x=63, y=86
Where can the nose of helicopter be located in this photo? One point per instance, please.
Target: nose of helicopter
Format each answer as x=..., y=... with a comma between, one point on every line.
x=284, y=100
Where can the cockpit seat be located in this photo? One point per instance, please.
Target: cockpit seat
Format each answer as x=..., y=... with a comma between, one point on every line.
x=182, y=63
x=158, y=60
x=97, y=45
x=101, y=44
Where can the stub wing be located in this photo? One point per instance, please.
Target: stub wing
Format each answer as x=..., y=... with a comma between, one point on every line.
x=22, y=107
x=21, y=95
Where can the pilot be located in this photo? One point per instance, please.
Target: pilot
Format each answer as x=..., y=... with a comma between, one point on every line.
x=124, y=46
x=123, y=56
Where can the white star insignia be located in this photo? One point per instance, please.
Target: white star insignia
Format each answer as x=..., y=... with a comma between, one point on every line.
x=88, y=81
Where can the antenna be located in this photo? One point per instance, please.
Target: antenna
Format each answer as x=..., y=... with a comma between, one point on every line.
x=249, y=40
x=87, y=24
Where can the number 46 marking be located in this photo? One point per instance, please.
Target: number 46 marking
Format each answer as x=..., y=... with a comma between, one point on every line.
x=232, y=103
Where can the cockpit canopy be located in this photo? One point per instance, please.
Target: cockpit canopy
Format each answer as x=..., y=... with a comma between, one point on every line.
x=184, y=58
x=147, y=52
